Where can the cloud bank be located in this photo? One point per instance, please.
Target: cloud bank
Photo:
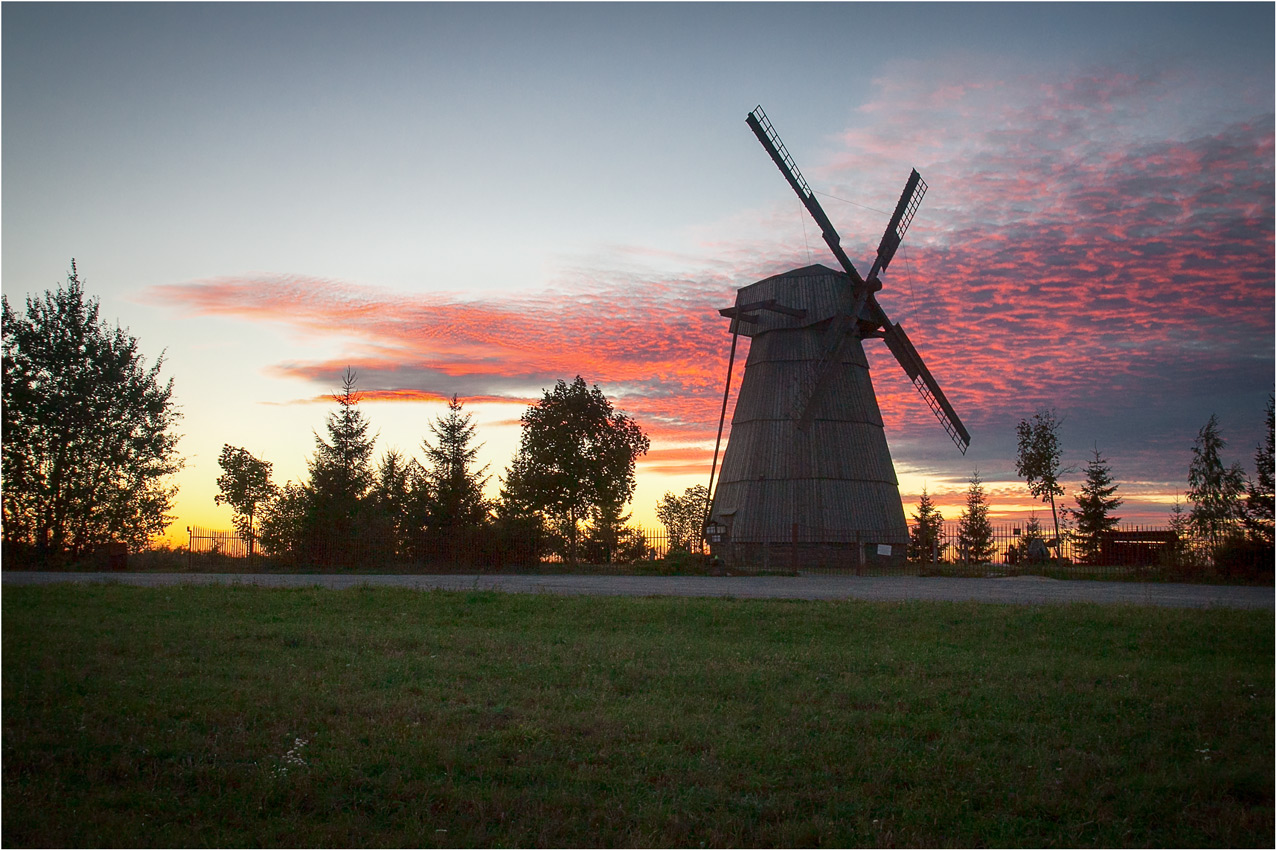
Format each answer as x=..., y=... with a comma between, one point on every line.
x=1091, y=245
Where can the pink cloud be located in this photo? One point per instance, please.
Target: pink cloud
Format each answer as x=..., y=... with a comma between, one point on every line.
x=1077, y=250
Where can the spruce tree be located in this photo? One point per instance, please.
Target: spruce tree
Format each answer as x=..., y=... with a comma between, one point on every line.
x=387, y=510
x=1181, y=525
x=924, y=536
x=974, y=531
x=341, y=469
x=610, y=538
x=455, y=488
x=340, y=477
x=1095, y=503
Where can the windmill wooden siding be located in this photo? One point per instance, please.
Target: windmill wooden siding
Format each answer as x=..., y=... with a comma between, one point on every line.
x=832, y=484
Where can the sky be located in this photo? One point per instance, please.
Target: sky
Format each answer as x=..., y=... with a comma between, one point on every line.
x=482, y=199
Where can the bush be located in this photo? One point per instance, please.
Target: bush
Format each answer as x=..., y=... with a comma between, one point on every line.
x=1245, y=558
x=682, y=562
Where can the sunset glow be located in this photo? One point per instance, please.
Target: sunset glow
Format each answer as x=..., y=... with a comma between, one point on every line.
x=1097, y=238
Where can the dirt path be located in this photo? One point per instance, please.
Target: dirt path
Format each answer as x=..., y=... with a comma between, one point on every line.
x=1022, y=591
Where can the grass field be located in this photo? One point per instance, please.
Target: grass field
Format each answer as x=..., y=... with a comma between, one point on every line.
x=240, y=716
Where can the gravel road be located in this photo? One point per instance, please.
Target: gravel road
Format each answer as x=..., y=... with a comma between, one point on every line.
x=1024, y=590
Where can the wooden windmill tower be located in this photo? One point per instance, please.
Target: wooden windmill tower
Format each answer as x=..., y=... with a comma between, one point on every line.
x=807, y=475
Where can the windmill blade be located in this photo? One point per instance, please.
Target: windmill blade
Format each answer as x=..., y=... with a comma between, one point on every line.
x=902, y=347
x=852, y=299
x=762, y=128
x=909, y=201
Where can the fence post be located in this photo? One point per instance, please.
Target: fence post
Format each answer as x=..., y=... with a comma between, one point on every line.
x=190, y=549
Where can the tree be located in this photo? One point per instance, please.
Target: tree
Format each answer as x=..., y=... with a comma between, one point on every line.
x=683, y=516
x=928, y=527
x=1214, y=490
x=245, y=486
x=576, y=455
x=340, y=477
x=610, y=539
x=387, y=512
x=1181, y=525
x=455, y=498
x=88, y=441
x=341, y=467
x=1095, y=503
x=1260, y=500
x=284, y=522
x=1038, y=461
x=974, y=531
x=1031, y=546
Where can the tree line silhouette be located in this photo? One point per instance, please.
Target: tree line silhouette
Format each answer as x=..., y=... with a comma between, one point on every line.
x=563, y=495
x=1229, y=524
x=89, y=448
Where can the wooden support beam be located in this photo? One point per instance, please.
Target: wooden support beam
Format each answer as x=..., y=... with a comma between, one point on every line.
x=770, y=304
x=738, y=314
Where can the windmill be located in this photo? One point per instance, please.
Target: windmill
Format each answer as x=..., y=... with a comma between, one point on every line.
x=807, y=475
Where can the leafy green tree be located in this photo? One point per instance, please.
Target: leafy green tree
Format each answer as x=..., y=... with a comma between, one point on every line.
x=1214, y=490
x=519, y=530
x=974, y=531
x=683, y=516
x=928, y=526
x=1095, y=503
x=245, y=486
x=518, y=504
x=1038, y=461
x=88, y=442
x=576, y=455
x=284, y=523
x=1260, y=500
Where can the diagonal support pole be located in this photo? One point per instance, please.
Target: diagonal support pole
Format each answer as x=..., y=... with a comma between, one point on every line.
x=726, y=394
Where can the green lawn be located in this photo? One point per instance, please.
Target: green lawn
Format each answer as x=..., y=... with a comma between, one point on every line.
x=243, y=716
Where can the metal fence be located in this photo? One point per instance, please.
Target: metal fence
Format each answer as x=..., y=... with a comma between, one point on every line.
x=479, y=548
x=214, y=542
x=1132, y=550
x=1129, y=549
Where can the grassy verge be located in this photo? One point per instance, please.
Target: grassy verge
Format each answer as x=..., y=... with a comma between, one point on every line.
x=241, y=716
